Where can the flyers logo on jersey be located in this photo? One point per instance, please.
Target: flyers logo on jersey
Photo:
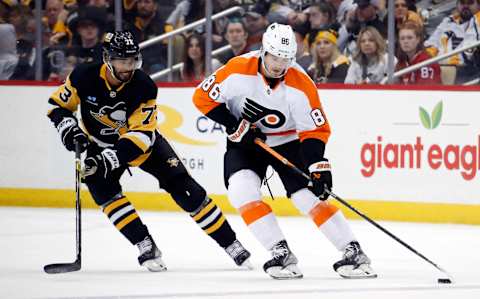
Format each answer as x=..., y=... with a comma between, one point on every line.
x=254, y=112
x=112, y=117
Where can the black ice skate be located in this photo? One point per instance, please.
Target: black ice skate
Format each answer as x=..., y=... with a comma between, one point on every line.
x=283, y=264
x=355, y=263
x=239, y=254
x=150, y=256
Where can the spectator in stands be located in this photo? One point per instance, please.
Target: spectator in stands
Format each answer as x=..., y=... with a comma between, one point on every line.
x=365, y=14
x=89, y=26
x=369, y=63
x=412, y=52
x=328, y=66
x=5, y=6
x=55, y=22
x=236, y=35
x=148, y=24
x=321, y=15
x=404, y=14
x=256, y=22
x=194, y=63
x=451, y=31
x=26, y=59
x=8, y=51
x=186, y=12
x=342, y=7
x=458, y=30
x=303, y=58
x=219, y=26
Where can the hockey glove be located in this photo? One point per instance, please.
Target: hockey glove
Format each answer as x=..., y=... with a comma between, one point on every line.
x=71, y=133
x=244, y=134
x=321, y=176
x=101, y=164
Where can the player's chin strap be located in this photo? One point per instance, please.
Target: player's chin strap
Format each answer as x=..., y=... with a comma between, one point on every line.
x=346, y=204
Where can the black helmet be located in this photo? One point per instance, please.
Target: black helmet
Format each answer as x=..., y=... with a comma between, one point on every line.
x=120, y=44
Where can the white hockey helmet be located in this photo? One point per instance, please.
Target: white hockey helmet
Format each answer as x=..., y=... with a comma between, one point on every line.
x=279, y=40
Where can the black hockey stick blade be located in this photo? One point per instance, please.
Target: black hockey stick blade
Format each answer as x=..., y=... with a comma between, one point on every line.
x=62, y=267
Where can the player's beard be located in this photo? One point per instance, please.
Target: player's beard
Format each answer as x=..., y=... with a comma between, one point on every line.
x=124, y=76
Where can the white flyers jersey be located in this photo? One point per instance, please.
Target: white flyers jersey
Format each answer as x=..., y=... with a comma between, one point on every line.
x=289, y=111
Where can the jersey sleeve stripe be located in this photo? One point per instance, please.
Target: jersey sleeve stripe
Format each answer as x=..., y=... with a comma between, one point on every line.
x=237, y=65
x=300, y=81
x=65, y=96
x=139, y=139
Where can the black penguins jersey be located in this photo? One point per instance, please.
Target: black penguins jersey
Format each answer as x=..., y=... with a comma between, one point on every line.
x=123, y=117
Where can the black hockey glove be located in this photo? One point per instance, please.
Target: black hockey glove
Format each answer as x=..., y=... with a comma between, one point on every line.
x=101, y=164
x=71, y=133
x=321, y=176
x=244, y=134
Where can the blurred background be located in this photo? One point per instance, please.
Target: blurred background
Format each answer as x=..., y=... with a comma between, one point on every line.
x=427, y=42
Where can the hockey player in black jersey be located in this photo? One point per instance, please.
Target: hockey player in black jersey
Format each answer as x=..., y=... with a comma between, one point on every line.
x=119, y=116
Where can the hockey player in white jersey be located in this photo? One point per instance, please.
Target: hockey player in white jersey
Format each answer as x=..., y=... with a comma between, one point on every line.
x=265, y=94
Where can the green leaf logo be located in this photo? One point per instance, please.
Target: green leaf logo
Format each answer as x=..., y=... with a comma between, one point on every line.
x=433, y=121
x=437, y=115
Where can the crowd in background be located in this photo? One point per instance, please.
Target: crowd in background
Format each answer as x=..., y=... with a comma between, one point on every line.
x=339, y=41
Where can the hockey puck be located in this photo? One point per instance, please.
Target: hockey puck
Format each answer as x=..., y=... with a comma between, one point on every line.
x=444, y=280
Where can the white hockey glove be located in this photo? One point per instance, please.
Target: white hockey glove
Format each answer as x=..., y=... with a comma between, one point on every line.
x=321, y=176
x=101, y=164
x=71, y=133
x=244, y=134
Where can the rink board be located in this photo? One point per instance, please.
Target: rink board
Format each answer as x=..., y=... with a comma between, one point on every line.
x=410, y=155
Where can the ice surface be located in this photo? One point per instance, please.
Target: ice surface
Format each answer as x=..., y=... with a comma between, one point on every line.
x=198, y=268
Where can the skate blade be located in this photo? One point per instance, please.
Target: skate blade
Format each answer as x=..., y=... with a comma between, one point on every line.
x=247, y=265
x=361, y=272
x=155, y=265
x=289, y=272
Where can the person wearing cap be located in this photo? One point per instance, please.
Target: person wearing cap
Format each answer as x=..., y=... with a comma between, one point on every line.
x=328, y=66
x=256, y=22
x=88, y=29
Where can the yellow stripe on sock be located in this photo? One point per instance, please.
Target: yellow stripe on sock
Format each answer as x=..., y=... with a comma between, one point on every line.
x=115, y=204
x=204, y=211
x=126, y=221
x=216, y=226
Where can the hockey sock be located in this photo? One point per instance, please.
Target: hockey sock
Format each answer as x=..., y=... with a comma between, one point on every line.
x=332, y=223
x=260, y=219
x=210, y=218
x=123, y=215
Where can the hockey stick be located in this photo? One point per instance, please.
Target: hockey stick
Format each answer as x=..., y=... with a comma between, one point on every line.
x=77, y=264
x=346, y=204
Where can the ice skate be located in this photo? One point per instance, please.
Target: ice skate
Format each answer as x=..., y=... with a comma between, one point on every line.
x=150, y=256
x=354, y=264
x=283, y=264
x=239, y=254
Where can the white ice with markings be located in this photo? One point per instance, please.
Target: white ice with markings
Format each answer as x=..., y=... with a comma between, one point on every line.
x=198, y=268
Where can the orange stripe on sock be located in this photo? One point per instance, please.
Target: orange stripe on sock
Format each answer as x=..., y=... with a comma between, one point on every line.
x=253, y=211
x=322, y=212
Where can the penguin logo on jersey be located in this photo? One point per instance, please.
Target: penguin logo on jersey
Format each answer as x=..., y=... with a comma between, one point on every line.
x=254, y=112
x=115, y=118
